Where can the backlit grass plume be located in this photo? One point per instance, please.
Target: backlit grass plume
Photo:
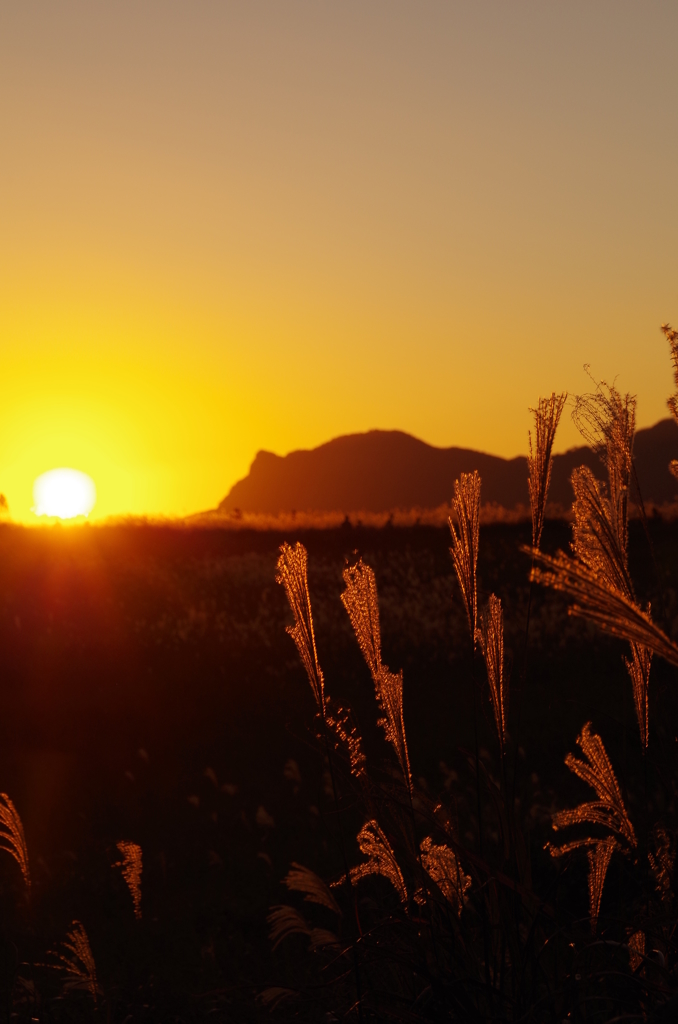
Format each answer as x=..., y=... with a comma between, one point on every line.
x=540, y=460
x=638, y=668
x=339, y=720
x=608, y=810
x=490, y=636
x=661, y=862
x=302, y=879
x=380, y=859
x=603, y=604
x=292, y=573
x=362, y=604
x=12, y=837
x=131, y=865
x=442, y=865
x=77, y=962
x=606, y=419
x=671, y=336
x=599, y=855
x=285, y=921
x=464, y=550
x=598, y=541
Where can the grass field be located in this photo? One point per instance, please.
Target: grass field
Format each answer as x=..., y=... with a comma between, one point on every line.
x=150, y=693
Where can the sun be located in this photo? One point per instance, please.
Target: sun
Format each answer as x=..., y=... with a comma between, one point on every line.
x=64, y=493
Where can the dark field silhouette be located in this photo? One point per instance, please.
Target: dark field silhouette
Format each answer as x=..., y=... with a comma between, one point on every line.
x=150, y=695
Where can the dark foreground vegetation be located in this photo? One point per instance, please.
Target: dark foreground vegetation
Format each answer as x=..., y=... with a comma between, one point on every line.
x=151, y=694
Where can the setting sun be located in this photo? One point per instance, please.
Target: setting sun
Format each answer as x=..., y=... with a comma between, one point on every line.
x=64, y=493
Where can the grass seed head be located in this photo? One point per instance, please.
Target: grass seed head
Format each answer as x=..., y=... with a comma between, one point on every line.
x=12, y=837
x=292, y=573
x=671, y=336
x=595, y=599
x=443, y=866
x=608, y=810
x=661, y=862
x=464, y=550
x=638, y=668
x=132, y=866
x=381, y=859
x=490, y=636
x=606, y=420
x=302, y=879
x=362, y=604
x=77, y=962
x=540, y=460
x=599, y=856
x=596, y=540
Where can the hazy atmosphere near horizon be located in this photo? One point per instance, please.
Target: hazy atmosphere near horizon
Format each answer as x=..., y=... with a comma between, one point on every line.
x=235, y=226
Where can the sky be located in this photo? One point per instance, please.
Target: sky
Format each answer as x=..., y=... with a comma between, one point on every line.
x=234, y=226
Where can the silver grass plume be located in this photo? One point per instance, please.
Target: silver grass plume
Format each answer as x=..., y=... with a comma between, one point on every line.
x=292, y=573
x=380, y=859
x=607, y=421
x=302, y=879
x=132, y=866
x=671, y=336
x=661, y=862
x=285, y=921
x=361, y=601
x=638, y=668
x=12, y=837
x=490, y=636
x=603, y=604
x=596, y=540
x=464, y=550
x=600, y=855
x=608, y=810
x=77, y=962
x=442, y=865
x=339, y=720
x=540, y=460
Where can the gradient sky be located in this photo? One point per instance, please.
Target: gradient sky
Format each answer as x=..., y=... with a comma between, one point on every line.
x=232, y=226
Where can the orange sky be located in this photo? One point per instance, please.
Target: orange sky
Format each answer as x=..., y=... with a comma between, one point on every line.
x=232, y=226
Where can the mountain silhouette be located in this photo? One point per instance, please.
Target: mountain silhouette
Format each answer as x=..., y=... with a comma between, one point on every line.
x=383, y=470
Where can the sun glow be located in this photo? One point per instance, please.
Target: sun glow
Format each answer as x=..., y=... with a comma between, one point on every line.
x=64, y=493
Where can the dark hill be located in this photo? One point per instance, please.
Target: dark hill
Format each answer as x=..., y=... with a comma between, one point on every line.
x=388, y=469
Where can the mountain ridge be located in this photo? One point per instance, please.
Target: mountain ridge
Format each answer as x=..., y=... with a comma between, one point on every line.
x=385, y=470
